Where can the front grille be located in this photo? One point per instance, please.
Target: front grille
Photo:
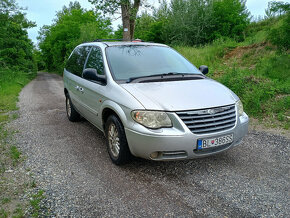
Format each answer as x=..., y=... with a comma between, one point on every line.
x=209, y=120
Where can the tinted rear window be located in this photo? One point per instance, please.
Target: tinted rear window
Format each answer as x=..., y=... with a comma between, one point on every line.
x=75, y=63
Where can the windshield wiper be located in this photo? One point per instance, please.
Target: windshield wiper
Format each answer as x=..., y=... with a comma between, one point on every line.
x=162, y=75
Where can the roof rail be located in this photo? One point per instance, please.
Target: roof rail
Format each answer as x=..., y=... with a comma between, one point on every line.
x=102, y=40
x=122, y=40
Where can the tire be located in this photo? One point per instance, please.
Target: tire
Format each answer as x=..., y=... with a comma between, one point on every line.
x=117, y=144
x=71, y=113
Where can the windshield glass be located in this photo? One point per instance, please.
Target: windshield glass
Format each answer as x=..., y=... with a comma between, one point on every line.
x=137, y=61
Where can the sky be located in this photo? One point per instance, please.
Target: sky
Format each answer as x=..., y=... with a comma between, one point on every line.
x=43, y=11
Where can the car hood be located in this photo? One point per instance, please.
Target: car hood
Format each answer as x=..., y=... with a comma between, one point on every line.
x=181, y=95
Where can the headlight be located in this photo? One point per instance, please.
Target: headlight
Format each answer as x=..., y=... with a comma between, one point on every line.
x=240, y=108
x=152, y=119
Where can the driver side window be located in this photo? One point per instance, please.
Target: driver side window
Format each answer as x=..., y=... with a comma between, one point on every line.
x=95, y=60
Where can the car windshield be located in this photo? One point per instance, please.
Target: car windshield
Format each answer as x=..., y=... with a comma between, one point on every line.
x=130, y=61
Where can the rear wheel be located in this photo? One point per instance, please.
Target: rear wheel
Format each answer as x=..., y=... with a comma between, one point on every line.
x=116, y=141
x=72, y=114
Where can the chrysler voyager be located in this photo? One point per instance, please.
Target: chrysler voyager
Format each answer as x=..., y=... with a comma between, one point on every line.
x=151, y=102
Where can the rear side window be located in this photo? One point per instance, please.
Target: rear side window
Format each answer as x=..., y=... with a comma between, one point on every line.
x=75, y=64
x=95, y=60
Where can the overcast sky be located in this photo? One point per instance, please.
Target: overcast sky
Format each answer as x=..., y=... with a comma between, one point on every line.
x=43, y=11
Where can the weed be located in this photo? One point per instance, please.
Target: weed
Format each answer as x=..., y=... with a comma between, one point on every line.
x=18, y=212
x=33, y=184
x=3, y=117
x=15, y=154
x=35, y=203
x=5, y=200
x=15, y=116
x=3, y=213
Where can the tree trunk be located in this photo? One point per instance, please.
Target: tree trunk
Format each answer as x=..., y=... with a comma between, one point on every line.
x=126, y=22
x=129, y=14
x=132, y=28
x=133, y=16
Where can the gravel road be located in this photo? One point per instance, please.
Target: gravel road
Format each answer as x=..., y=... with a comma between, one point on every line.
x=70, y=163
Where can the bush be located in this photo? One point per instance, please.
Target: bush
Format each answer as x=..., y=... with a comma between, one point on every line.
x=254, y=91
x=280, y=35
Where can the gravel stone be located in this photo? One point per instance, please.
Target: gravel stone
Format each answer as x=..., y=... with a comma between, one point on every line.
x=70, y=163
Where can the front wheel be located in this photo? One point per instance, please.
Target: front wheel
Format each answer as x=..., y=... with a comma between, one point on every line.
x=116, y=141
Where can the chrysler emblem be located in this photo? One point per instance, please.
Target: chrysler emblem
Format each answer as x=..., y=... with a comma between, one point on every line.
x=211, y=111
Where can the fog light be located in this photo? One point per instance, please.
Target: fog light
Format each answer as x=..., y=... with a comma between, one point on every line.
x=154, y=155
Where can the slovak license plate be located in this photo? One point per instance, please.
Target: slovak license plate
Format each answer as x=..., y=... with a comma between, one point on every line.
x=213, y=142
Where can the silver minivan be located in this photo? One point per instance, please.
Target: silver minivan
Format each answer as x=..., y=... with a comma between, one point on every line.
x=151, y=102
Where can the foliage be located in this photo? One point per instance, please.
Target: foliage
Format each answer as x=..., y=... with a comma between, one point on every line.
x=128, y=8
x=194, y=22
x=230, y=18
x=72, y=26
x=148, y=28
x=277, y=8
x=15, y=47
x=188, y=22
x=258, y=73
x=11, y=83
x=280, y=34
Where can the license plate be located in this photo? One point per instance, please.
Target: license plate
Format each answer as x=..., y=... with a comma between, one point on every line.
x=213, y=142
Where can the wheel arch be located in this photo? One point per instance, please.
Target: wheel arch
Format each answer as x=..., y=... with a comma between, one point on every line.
x=111, y=108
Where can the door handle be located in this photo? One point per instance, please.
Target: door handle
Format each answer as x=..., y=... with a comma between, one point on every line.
x=81, y=89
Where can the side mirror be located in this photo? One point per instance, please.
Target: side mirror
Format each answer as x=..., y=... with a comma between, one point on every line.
x=203, y=69
x=92, y=74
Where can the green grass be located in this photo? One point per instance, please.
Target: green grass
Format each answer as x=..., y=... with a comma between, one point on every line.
x=3, y=213
x=35, y=203
x=18, y=212
x=255, y=70
x=5, y=200
x=15, y=154
x=11, y=83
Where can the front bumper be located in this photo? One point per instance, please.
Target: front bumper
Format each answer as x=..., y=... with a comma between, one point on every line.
x=178, y=142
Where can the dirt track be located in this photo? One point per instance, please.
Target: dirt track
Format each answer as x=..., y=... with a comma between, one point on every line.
x=70, y=163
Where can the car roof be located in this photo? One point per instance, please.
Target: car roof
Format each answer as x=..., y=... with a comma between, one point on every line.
x=116, y=43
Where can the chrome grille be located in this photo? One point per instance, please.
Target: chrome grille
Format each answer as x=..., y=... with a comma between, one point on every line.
x=209, y=120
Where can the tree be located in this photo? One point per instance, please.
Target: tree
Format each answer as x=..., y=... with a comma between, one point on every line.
x=73, y=25
x=277, y=8
x=231, y=17
x=15, y=46
x=279, y=34
x=129, y=10
x=188, y=22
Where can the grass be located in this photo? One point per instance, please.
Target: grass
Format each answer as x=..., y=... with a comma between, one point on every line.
x=11, y=83
x=12, y=185
x=15, y=154
x=35, y=203
x=255, y=70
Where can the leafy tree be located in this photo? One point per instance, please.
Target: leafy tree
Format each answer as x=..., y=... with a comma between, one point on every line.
x=277, y=8
x=72, y=26
x=187, y=21
x=194, y=22
x=15, y=46
x=148, y=28
x=279, y=35
x=230, y=17
x=129, y=10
